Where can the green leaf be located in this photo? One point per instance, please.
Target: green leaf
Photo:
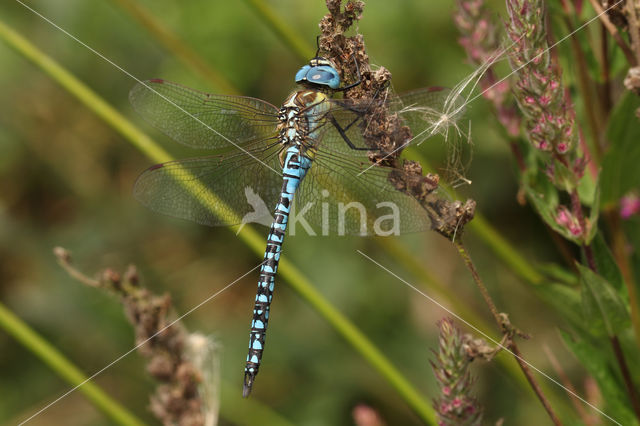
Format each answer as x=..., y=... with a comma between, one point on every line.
x=556, y=272
x=620, y=171
x=607, y=266
x=565, y=300
x=595, y=361
x=546, y=204
x=604, y=310
x=588, y=190
x=564, y=177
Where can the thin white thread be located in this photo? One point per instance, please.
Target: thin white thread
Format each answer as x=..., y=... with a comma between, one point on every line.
x=431, y=299
x=227, y=139
x=88, y=379
x=545, y=51
x=490, y=61
x=118, y=67
x=450, y=102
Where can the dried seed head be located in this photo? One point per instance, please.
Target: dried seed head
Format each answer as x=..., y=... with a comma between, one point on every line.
x=632, y=80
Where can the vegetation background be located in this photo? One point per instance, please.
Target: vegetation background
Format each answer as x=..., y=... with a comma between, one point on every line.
x=66, y=179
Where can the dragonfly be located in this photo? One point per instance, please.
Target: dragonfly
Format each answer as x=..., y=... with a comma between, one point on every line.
x=309, y=155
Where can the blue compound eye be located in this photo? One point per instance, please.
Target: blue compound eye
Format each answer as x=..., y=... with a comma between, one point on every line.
x=323, y=75
x=302, y=74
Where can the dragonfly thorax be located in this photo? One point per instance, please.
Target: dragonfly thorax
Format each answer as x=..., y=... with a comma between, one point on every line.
x=300, y=116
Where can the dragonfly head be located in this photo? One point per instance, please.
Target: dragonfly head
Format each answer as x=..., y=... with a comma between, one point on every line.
x=320, y=72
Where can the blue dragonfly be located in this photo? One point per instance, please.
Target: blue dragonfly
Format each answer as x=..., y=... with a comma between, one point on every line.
x=311, y=149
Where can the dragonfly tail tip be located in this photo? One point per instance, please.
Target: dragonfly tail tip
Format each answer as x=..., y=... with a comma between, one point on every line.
x=246, y=390
x=248, y=383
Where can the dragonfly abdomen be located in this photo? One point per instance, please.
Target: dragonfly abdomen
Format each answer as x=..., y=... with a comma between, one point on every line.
x=294, y=170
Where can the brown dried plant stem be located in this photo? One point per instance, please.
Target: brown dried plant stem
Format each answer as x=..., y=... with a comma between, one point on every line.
x=613, y=30
x=633, y=57
x=566, y=382
x=511, y=345
x=160, y=339
x=592, y=108
x=611, y=216
x=615, y=343
x=619, y=246
x=626, y=375
x=605, y=88
x=631, y=9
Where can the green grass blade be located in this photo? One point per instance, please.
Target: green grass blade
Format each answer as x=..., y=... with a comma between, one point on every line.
x=287, y=270
x=61, y=365
x=289, y=37
x=490, y=235
x=177, y=47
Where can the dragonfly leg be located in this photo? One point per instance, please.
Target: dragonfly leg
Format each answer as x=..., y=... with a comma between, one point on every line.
x=352, y=85
x=344, y=136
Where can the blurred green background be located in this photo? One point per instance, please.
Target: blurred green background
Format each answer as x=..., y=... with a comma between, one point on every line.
x=66, y=179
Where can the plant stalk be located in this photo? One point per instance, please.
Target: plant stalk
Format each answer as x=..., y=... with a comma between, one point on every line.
x=615, y=343
x=512, y=346
x=37, y=345
x=173, y=44
x=292, y=275
x=613, y=30
x=626, y=375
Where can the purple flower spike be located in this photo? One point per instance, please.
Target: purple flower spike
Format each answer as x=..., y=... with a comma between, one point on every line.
x=455, y=405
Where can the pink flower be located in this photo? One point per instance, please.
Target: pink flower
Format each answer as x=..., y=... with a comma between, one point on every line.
x=563, y=216
x=455, y=405
x=629, y=206
x=364, y=415
x=567, y=220
x=544, y=145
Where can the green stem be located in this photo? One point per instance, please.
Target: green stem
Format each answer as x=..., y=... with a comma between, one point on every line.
x=615, y=343
x=350, y=333
x=173, y=44
x=286, y=270
x=479, y=225
x=289, y=37
x=619, y=248
x=61, y=365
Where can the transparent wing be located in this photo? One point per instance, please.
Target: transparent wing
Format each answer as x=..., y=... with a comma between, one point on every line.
x=342, y=197
x=215, y=190
x=343, y=193
x=201, y=120
x=427, y=112
x=228, y=189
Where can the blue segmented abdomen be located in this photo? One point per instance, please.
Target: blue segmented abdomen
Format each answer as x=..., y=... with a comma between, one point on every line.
x=294, y=170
